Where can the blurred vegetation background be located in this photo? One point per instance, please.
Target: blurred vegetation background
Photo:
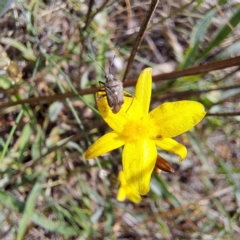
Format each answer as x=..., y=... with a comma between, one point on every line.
x=48, y=190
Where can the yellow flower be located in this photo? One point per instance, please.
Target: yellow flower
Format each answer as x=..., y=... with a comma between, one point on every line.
x=140, y=131
x=125, y=190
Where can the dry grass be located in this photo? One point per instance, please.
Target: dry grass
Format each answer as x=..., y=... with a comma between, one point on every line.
x=48, y=191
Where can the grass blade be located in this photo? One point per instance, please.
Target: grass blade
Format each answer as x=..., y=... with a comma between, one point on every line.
x=197, y=36
x=5, y=5
x=29, y=209
x=15, y=205
x=222, y=33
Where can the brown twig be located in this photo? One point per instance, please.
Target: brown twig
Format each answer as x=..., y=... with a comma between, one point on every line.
x=88, y=17
x=177, y=211
x=140, y=35
x=205, y=68
x=230, y=62
x=226, y=114
x=194, y=92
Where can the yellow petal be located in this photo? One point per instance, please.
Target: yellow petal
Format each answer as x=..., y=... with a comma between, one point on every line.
x=139, y=158
x=173, y=146
x=133, y=196
x=144, y=89
x=105, y=144
x=121, y=178
x=174, y=118
x=121, y=196
x=131, y=109
x=125, y=190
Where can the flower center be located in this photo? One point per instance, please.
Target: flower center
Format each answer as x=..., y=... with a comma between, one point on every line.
x=136, y=129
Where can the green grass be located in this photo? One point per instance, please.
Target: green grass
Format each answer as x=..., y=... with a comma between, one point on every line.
x=48, y=189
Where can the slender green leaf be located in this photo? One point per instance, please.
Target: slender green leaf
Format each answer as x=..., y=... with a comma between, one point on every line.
x=28, y=210
x=228, y=52
x=164, y=228
x=5, y=5
x=25, y=136
x=36, y=149
x=197, y=148
x=5, y=83
x=160, y=188
x=53, y=226
x=26, y=51
x=54, y=110
x=200, y=29
x=15, y=205
x=197, y=36
x=189, y=56
x=222, y=33
x=97, y=215
x=10, y=201
x=4, y=151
